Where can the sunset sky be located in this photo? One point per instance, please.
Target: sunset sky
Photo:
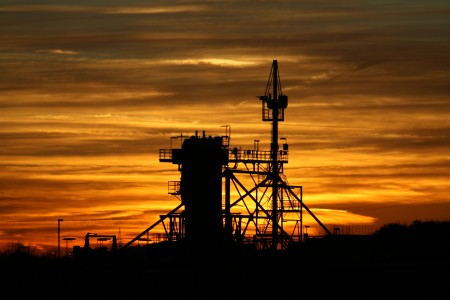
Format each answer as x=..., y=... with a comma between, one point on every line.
x=90, y=90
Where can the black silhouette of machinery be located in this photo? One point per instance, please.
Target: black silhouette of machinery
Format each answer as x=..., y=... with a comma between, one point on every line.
x=100, y=237
x=262, y=210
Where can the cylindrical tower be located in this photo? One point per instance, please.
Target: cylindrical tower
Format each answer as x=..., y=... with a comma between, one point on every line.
x=201, y=189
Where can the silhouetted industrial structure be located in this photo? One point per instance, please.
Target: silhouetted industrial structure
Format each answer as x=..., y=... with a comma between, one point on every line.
x=262, y=210
x=100, y=239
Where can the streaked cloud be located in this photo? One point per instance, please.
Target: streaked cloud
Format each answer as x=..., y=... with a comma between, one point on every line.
x=58, y=51
x=157, y=9
x=214, y=61
x=105, y=8
x=89, y=92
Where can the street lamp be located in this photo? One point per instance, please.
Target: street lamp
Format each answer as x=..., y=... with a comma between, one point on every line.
x=306, y=229
x=306, y=232
x=59, y=234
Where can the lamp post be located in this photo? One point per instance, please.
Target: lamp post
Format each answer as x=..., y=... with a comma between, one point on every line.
x=59, y=234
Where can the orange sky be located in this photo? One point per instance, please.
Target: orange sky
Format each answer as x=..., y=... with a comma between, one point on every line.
x=90, y=92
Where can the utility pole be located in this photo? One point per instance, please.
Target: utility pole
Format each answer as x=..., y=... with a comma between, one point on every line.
x=59, y=234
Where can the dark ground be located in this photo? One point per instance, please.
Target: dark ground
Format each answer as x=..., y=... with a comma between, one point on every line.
x=390, y=267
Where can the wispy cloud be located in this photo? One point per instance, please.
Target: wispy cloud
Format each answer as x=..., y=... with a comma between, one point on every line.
x=156, y=9
x=58, y=51
x=90, y=92
x=71, y=8
x=214, y=61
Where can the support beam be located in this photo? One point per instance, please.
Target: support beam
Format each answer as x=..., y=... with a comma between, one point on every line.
x=151, y=227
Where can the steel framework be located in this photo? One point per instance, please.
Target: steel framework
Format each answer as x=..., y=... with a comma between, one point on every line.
x=263, y=209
